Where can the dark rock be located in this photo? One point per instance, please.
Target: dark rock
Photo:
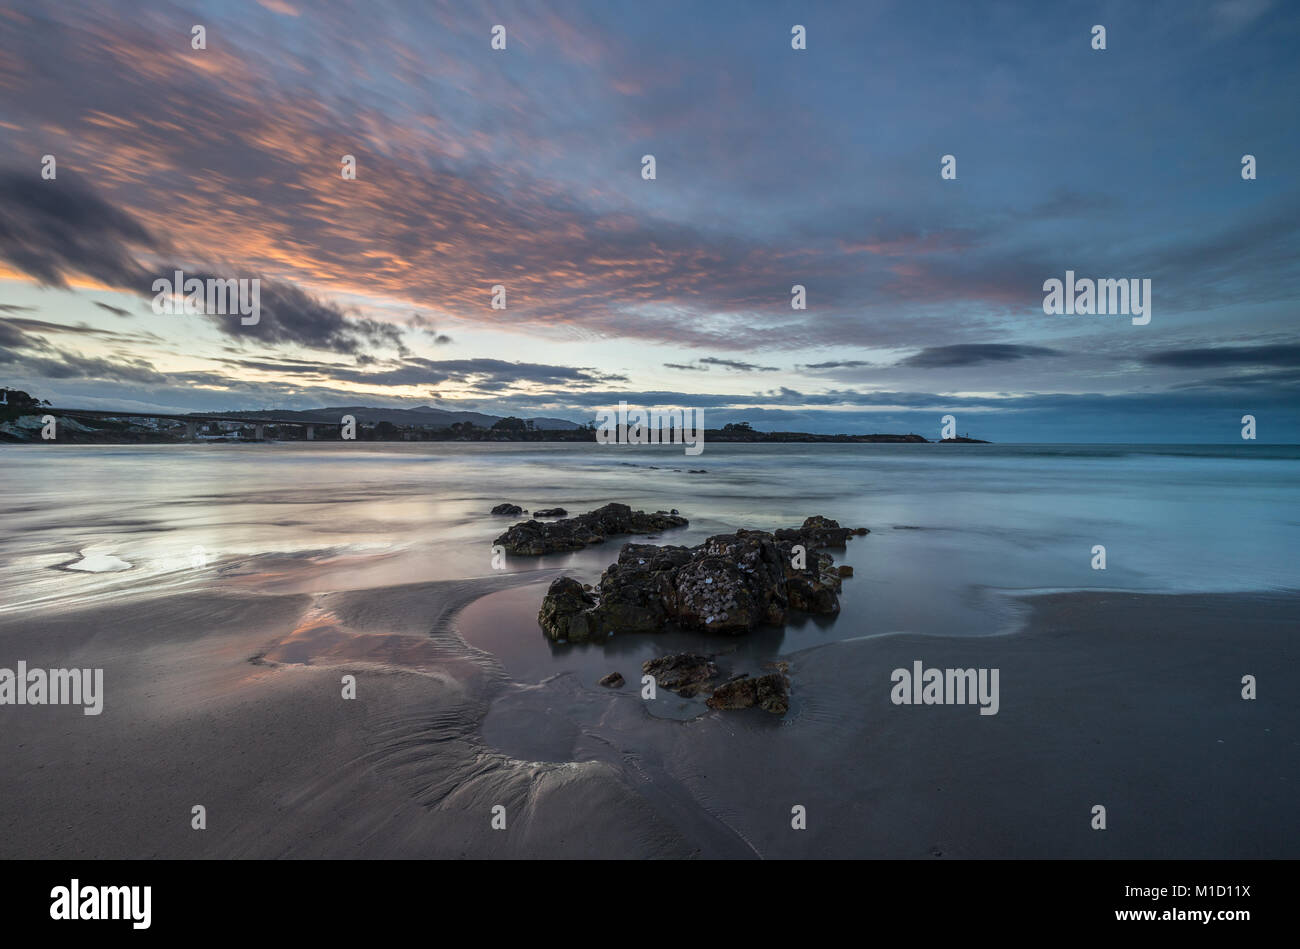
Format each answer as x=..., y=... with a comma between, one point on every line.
x=684, y=673
x=817, y=531
x=563, y=614
x=741, y=692
x=534, y=538
x=731, y=584
x=844, y=571
x=773, y=693
x=769, y=692
x=551, y=512
x=612, y=681
x=511, y=510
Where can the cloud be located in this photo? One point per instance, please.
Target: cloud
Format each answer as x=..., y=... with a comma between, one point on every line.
x=115, y=310
x=734, y=365
x=56, y=230
x=973, y=354
x=1266, y=355
x=29, y=356
x=290, y=314
x=28, y=325
x=491, y=376
x=52, y=230
x=844, y=364
x=426, y=326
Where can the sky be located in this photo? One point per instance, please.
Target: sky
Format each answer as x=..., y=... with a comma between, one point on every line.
x=774, y=167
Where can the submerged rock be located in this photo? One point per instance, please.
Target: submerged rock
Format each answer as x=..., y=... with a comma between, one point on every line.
x=769, y=692
x=551, y=512
x=684, y=672
x=511, y=510
x=612, y=681
x=731, y=583
x=534, y=538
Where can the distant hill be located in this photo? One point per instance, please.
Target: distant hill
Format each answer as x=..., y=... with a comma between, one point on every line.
x=424, y=415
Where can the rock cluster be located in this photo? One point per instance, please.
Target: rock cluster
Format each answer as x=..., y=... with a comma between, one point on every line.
x=689, y=675
x=729, y=584
x=512, y=510
x=534, y=538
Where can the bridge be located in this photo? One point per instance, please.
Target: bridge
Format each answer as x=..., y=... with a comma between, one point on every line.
x=193, y=420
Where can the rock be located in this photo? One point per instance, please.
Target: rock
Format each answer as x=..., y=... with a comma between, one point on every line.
x=551, y=512
x=769, y=692
x=716, y=594
x=740, y=692
x=730, y=584
x=511, y=510
x=612, y=681
x=844, y=570
x=820, y=531
x=773, y=693
x=564, y=611
x=535, y=538
x=684, y=673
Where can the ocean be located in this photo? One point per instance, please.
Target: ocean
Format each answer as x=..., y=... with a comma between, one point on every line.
x=947, y=521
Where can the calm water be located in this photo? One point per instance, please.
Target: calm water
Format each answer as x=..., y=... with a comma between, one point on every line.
x=950, y=524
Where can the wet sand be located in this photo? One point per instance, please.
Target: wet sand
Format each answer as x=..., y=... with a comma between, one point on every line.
x=1132, y=701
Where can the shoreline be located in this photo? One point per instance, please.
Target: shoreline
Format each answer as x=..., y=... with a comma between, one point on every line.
x=286, y=768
